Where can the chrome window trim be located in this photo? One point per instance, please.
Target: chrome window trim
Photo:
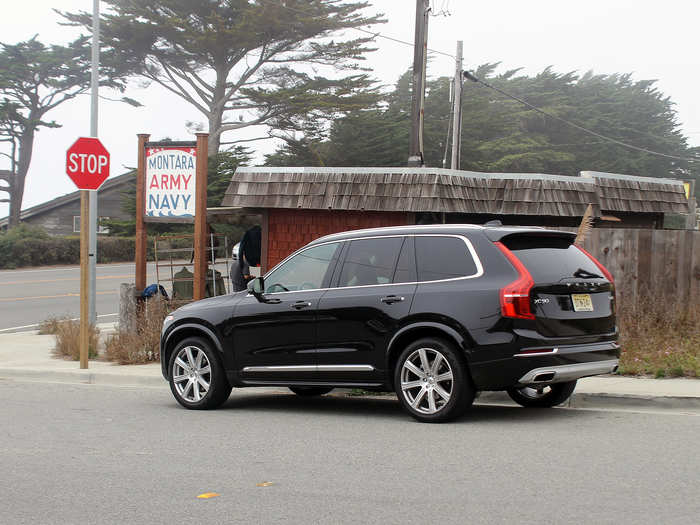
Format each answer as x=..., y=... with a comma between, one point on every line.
x=310, y=368
x=470, y=248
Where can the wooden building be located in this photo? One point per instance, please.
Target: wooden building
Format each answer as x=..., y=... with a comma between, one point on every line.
x=61, y=216
x=297, y=205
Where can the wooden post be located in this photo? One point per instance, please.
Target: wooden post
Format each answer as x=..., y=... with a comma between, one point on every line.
x=200, y=217
x=140, y=278
x=84, y=277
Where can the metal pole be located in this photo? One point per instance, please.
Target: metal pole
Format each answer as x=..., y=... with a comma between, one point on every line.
x=415, y=155
x=94, y=94
x=457, y=113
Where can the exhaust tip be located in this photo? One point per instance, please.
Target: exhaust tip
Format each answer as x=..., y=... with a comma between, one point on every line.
x=543, y=377
x=615, y=369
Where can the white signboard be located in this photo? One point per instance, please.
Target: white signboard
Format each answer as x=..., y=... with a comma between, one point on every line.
x=170, y=181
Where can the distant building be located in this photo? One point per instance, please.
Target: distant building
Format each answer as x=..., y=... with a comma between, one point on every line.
x=61, y=216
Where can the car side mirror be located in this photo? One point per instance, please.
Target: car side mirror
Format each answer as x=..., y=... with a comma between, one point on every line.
x=256, y=287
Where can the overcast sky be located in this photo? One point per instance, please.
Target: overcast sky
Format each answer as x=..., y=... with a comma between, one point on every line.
x=652, y=40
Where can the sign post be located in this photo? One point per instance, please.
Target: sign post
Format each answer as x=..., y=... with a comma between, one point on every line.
x=87, y=165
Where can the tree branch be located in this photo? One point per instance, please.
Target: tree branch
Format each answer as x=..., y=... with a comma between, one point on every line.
x=245, y=140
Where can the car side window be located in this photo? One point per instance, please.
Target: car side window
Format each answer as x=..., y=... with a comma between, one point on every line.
x=370, y=261
x=406, y=266
x=307, y=270
x=443, y=258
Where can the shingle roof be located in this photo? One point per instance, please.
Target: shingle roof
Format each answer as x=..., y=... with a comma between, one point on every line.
x=411, y=189
x=627, y=193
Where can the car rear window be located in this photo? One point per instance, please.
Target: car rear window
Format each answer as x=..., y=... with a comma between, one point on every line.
x=443, y=258
x=550, y=259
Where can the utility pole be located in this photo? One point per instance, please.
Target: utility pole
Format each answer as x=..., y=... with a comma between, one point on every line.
x=457, y=110
x=420, y=55
x=92, y=198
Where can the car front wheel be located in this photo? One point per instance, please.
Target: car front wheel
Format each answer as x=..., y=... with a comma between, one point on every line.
x=197, y=379
x=542, y=396
x=431, y=381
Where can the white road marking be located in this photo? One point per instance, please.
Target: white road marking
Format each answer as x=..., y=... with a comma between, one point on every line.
x=37, y=324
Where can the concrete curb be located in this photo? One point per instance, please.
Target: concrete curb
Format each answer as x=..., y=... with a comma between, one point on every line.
x=608, y=400
x=90, y=377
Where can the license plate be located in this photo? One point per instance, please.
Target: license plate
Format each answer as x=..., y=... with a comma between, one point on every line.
x=582, y=302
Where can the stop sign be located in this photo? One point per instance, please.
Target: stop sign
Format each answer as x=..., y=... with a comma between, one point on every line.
x=87, y=163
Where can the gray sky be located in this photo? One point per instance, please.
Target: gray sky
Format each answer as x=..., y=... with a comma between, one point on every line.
x=652, y=40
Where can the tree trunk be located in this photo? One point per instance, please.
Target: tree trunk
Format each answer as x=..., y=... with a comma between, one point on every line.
x=26, y=146
x=216, y=113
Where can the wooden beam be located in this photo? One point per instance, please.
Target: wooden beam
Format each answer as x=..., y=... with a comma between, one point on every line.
x=200, y=218
x=140, y=278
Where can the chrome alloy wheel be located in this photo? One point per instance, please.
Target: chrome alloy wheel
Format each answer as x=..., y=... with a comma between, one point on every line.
x=426, y=380
x=191, y=374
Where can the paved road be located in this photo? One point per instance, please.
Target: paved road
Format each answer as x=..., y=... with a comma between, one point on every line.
x=91, y=454
x=28, y=297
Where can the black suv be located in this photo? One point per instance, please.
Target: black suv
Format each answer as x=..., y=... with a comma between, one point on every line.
x=435, y=313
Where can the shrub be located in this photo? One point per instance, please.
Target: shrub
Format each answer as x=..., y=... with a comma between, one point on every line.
x=67, y=334
x=142, y=345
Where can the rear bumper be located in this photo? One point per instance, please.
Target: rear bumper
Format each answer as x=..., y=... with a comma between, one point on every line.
x=562, y=373
x=562, y=363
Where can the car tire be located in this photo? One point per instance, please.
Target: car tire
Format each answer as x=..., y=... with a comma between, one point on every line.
x=430, y=392
x=310, y=391
x=197, y=379
x=549, y=396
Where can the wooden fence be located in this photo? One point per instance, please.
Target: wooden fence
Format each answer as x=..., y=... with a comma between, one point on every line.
x=665, y=263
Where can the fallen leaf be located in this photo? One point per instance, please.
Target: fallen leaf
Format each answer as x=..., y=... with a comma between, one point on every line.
x=264, y=484
x=208, y=495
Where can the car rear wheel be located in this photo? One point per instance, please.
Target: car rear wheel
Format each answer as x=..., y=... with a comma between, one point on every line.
x=310, y=391
x=197, y=379
x=542, y=396
x=431, y=381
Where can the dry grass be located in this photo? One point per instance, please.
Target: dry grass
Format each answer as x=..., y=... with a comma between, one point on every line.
x=67, y=334
x=50, y=325
x=660, y=338
x=143, y=345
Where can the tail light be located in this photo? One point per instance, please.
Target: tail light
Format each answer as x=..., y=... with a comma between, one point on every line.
x=602, y=268
x=515, y=297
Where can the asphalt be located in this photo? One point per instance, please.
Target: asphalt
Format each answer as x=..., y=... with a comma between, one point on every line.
x=26, y=356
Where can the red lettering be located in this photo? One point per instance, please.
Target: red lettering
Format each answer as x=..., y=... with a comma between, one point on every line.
x=174, y=182
x=164, y=182
x=154, y=182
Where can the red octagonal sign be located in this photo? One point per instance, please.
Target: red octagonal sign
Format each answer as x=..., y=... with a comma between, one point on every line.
x=87, y=163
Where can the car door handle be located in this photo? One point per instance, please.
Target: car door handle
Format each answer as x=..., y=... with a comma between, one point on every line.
x=301, y=304
x=391, y=299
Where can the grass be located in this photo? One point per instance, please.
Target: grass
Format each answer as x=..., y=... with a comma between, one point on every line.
x=142, y=345
x=660, y=338
x=67, y=334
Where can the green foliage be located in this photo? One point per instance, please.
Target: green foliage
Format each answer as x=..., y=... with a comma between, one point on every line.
x=27, y=245
x=243, y=63
x=502, y=135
